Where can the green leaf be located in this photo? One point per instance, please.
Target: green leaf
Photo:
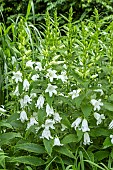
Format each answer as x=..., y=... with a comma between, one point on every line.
x=69, y=139
x=86, y=109
x=79, y=134
x=4, y=138
x=48, y=145
x=30, y=160
x=100, y=155
x=107, y=143
x=108, y=106
x=99, y=132
x=65, y=151
x=65, y=121
x=41, y=116
x=111, y=97
x=31, y=147
x=79, y=100
x=6, y=125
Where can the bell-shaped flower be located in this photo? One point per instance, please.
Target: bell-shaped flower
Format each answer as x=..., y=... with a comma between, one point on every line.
x=49, y=110
x=26, y=85
x=33, y=95
x=63, y=76
x=111, y=125
x=57, y=142
x=111, y=136
x=75, y=93
x=57, y=117
x=51, y=74
x=46, y=134
x=17, y=76
x=40, y=102
x=76, y=123
x=49, y=124
x=51, y=90
x=35, y=77
x=16, y=92
x=38, y=66
x=97, y=104
x=23, y=116
x=31, y=122
x=30, y=64
x=86, y=139
x=25, y=101
x=84, y=126
x=99, y=117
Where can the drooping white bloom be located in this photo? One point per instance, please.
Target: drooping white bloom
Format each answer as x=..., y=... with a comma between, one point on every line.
x=17, y=76
x=38, y=66
x=49, y=110
x=32, y=95
x=26, y=100
x=111, y=136
x=84, y=126
x=86, y=139
x=57, y=142
x=13, y=60
x=2, y=110
x=111, y=125
x=16, y=92
x=100, y=91
x=49, y=124
x=51, y=74
x=35, y=77
x=30, y=64
x=46, y=134
x=31, y=122
x=23, y=116
x=63, y=76
x=40, y=102
x=26, y=85
x=76, y=123
x=75, y=93
x=99, y=117
x=97, y=104
x=57, y=117
x=51, y=89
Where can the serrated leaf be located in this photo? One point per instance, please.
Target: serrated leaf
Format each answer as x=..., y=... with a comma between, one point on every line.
x=86, y=109
x=107, y=143
x=108, y=106
x=69, y=138
x=100, y=155
x=65, y=151
x=30, y=160
x=48, y=145
x=31, y=147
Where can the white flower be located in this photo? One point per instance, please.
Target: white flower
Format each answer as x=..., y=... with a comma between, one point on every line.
x=23, y=116
x=57, y=117
x=63, y=76
x=76, y=123
x=111, y=136
x=75, y=93
x=32, y=95
x=2, y=110
x=86, y=139
x=96, y=104
x=84, y=126
x=49, y=124
x=40, y=102
x=30, y=64
x=38, y=66
x=99, y=117
x=111, y=125
x=26, y=85
x=99, y=90
x=51, y=89
x=49, y=110
x=35, y=77
x=25, y=101
x=57, y=142
x=32, y=122
x=13, y=60
x=17, y=76
x=46, y=134
x=16, y=92
x=51, y=74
